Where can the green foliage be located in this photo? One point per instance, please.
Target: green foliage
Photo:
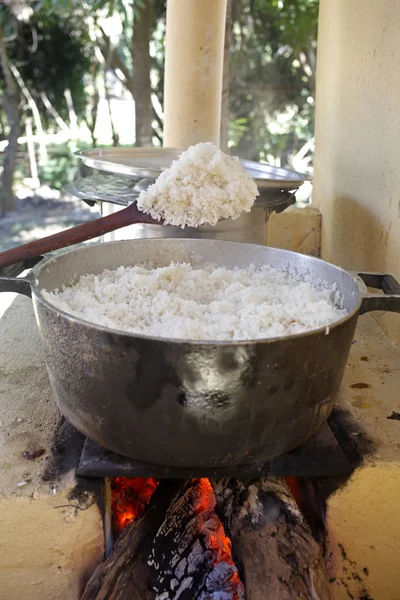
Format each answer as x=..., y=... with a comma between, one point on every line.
x=296, y=20
x=59, y=169
x=272, y=67
x=52, y=53
x=273, y=76
x=60, y=62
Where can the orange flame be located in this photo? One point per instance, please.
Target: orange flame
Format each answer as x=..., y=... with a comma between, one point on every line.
x=129, y=498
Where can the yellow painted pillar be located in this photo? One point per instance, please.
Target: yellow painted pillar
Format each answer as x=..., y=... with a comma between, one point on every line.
x=193, y=71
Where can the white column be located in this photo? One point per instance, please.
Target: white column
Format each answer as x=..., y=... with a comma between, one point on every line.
x=193, y=71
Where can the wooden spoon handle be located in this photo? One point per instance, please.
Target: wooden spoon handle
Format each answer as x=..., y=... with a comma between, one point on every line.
x=75, y=235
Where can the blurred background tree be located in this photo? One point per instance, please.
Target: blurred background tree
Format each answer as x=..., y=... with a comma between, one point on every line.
x=272, y=78
x=79, y=73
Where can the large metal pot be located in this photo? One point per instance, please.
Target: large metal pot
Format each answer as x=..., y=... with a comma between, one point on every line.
x=193, y=404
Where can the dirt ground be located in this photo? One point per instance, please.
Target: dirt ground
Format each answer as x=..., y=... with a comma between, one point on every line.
x=40, y=214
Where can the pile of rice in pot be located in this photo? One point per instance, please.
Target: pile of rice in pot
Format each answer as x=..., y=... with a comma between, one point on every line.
x=180, y=301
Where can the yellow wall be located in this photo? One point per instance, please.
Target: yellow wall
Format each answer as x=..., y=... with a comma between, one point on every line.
x=357, y=161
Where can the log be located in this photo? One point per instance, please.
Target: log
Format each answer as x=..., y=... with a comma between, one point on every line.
x=273, y=547
x=190, y=557
x=177, y=550
x=311, y=505
x=125, y=572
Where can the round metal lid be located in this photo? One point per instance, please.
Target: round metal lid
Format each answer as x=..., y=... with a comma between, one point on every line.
x=150, y=162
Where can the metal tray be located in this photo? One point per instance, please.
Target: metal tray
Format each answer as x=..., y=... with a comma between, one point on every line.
x=122, y=190
x=150, y=162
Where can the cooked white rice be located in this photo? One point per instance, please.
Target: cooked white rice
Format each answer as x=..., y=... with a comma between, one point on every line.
x=210, y=303
x=203, y=186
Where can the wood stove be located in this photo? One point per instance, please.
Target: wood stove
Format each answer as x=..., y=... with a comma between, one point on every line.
x=218, y=534
x=281, y=523
x=212, y=537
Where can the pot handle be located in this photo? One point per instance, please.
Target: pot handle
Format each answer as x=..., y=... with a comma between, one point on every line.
x=13, y=284
x=390, y=301
x=20, y=285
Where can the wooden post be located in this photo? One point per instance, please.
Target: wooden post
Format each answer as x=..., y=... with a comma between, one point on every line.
x=193, y=71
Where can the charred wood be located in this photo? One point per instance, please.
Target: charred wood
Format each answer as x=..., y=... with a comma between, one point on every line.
x=176, y=550
x=124, y=574
x=273, y=546
x=190, y=557
x=311, y=505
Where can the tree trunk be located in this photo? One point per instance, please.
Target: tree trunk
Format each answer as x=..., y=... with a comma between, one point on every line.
x=94, y=110
x=141, y=59
x=307, y=58
x=7, y=198
x=226, y=79
x=31, y=152
x=273, y=546
x=114, y=133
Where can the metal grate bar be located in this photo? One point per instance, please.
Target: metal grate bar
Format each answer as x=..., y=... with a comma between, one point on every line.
x=320, y=456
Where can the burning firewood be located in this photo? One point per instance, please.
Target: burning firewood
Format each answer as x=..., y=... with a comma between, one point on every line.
x=129, y=498
x=273, y=546
x=125, y=572
x=191, y=556
x=176, y=550
x=179, y=550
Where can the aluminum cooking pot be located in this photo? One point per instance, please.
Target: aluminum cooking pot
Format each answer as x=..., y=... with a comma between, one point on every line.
x=194, y=404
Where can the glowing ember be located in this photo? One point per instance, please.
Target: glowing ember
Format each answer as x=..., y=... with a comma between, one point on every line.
x=294, y=488
x=129, y=498
x=215, y=537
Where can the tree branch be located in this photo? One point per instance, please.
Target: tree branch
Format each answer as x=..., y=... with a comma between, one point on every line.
x=114, y=61
x=226, y=79
x=5, y=67
x=60, y=122
x=35, y=112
